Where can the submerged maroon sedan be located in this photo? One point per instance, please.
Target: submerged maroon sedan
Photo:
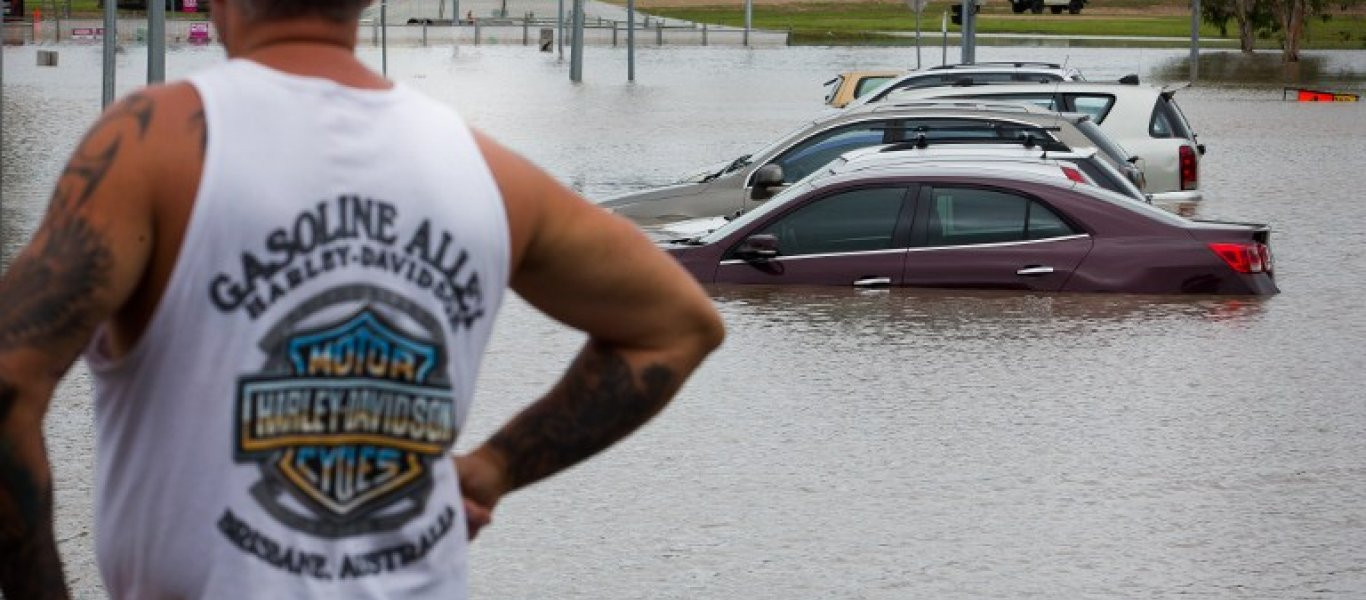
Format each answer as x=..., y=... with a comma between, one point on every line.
x=982, y=226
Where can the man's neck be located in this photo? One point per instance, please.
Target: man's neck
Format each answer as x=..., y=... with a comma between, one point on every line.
x=310, y=48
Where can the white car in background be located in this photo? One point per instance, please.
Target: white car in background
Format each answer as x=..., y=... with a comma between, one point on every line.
x=973, y=74
x=1144, y=119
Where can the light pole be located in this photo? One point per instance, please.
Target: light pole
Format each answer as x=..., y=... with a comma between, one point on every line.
x=1195, y=40
x=630, y=40
x=749, y=18
x=384, y=37
x=156, y=40
x=576, y=50
x=111, y=20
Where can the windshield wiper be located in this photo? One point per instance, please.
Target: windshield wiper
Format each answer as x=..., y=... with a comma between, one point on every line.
x=734, y=164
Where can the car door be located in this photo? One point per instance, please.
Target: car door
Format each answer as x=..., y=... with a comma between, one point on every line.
x=989, y=238
x=852, y=236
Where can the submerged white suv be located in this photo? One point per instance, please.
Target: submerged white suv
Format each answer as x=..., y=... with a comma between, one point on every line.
x=1144, y=119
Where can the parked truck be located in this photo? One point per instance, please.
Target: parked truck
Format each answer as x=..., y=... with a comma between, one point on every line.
x=1056, y=6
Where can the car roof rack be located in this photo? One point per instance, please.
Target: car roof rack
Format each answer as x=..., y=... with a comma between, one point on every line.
x=1029, y=140
x=992, y=125
x=998, y=64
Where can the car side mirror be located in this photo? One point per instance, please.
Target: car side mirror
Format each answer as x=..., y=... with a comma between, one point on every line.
x=1201, y=148
x=768, y=181
x=760, y=246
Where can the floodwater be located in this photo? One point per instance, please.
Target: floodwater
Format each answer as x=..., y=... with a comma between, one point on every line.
x=891, y=444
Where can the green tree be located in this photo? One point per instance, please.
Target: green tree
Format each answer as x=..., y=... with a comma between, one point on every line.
x=1293, y=18
x=1252, y=16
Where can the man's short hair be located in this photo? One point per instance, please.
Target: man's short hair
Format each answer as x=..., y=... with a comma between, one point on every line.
x=332, y=10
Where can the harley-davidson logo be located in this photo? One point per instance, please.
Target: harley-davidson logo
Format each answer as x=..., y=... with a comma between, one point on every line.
x=350, y=429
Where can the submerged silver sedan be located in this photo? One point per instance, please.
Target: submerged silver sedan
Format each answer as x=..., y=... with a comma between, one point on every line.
x=726, y=188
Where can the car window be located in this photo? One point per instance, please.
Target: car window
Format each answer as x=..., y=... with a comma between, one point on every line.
x=1096, y=105
x=1167, y=121
x=1044, y=99
x=1036, y=77
x=868, y=84
x=1044, y=223
x=1109, y=178
x=960, y=216
x=1179, y=118
x=814, y=152
x=850, y=221
x=1103, y=141
x=834, y=88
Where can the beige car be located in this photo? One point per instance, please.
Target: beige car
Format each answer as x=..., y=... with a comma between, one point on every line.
x=851, y=84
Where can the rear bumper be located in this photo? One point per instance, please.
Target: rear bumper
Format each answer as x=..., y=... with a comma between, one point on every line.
x=1181, y=197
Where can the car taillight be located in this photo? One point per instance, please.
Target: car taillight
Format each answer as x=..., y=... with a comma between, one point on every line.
x=1074, y=175
x=1248, y=258
x=1190, y=178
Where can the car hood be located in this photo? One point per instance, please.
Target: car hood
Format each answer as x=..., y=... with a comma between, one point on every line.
x=654, y=194
x=692, y=228
x=704, y=174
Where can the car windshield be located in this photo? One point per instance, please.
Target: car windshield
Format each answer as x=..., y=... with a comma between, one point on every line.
x=1103, y=141
x=1108, y=177
x=758, y=212
x=868, y=84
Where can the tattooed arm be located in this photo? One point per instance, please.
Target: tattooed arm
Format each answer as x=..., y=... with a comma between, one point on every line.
x=86, y=258
x=649, y=326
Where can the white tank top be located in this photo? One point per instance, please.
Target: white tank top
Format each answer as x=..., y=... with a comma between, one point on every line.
x=283, y=428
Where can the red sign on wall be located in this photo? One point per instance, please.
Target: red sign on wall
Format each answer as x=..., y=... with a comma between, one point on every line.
x=199, y=33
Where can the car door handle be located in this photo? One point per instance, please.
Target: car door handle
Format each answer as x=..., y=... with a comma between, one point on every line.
x=1035, y=270
x=872, y=281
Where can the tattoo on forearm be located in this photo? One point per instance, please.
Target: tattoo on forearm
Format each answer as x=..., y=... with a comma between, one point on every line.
x=51, y=287
x=48, y=294
x=30, y=566
x=598, y=403
x=91, y=161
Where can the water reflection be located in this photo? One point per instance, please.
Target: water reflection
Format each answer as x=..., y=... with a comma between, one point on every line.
x=1262, y=69
x=903, y=313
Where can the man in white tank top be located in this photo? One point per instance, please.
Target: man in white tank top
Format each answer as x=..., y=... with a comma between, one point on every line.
x=285, y=337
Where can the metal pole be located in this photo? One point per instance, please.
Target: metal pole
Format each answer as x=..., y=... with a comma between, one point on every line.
x=156, y=41
x=384, y=37
x=944, y=27
x=576, y=51
x=749, y=18
x=559, y=29
x=455, y=12
x=1195, y=40
x=917, y=36
x=630, y=40
x=111, y=20
x=965, y=31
